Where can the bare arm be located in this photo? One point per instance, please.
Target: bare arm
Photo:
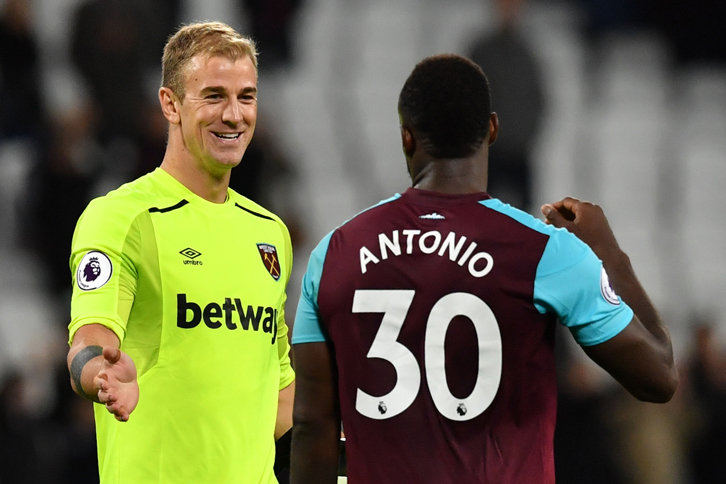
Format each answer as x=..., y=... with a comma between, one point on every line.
x=284, y=410
x=101, y=372
x=641, y=356
x=316, y=415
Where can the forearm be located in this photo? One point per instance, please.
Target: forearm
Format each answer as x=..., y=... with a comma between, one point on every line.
x=314, y=452
x=316, y=416
x=285, y=402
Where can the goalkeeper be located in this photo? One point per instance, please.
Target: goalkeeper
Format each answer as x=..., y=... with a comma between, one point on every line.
x=177, y=320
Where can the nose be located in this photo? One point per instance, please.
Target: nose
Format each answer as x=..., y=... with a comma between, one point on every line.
x=232, y=113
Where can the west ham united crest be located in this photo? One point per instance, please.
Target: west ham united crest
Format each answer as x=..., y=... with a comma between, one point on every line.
x=270, y=260
x=94, y=270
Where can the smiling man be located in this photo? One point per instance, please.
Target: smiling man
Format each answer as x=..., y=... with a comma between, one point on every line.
x=177, y=319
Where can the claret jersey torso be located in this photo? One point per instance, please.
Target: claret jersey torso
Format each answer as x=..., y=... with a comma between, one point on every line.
x=441, y=310
x=195, y=292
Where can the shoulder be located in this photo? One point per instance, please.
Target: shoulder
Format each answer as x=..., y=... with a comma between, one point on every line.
x=368, y=215
x=142, y=194
x=253, y=208
x=519, y=216
x=256, y=210
x=562, y=247
x=558, y=235
x=118, y=209
x=123, y=203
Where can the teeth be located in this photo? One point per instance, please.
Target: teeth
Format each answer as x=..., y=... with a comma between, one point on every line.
x=227, y=135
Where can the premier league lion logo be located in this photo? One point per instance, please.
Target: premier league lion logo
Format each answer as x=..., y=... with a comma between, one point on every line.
x=382, y=407
x=94, y=270
x=461, y=409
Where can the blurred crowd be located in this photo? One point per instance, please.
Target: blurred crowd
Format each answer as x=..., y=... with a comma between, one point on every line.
x=118, y=133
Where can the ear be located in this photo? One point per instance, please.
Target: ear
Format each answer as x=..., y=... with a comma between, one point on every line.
x=408, y=140
x=169, y=105
x=493, y=128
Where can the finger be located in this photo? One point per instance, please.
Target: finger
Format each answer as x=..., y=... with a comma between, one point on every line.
x=118, y=412
x=570, y=208
x=101, y=380
x=553, y=216
x=101, y=385
x=107, y=397
x=111, y=354
x=569, y=202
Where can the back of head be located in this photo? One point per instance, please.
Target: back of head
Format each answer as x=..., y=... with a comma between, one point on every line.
x=207, y=39
x=446, y=103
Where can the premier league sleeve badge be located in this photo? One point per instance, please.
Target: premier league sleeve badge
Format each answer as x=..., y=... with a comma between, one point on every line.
x=94, y=270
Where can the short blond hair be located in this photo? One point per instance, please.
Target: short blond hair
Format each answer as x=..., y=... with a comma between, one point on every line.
x=205, y=38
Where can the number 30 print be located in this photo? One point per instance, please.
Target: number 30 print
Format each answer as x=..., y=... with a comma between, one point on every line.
x=394, y=304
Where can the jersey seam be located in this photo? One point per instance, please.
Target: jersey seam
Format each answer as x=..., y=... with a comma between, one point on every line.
x=106, y=321
x=170, y=208
x=257, y=214
x=550, y=238
x=392, y=199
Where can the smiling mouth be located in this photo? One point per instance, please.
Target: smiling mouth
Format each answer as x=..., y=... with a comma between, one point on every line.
x=229, y=136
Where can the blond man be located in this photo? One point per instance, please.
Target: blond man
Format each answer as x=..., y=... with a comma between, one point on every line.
x=177, y=320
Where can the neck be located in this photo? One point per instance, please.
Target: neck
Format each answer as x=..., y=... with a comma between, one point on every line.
x=457, y=176
x=191, y=173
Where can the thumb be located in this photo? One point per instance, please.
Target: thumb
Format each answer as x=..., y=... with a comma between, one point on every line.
x=553, y=216
x=111, y=354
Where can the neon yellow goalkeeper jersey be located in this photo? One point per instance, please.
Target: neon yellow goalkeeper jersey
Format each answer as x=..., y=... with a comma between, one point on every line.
x=195, y=291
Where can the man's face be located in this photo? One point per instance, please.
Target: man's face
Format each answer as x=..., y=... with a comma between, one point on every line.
x=219, y=111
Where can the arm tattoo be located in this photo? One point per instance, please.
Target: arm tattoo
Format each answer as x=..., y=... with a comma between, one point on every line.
x=79, y=361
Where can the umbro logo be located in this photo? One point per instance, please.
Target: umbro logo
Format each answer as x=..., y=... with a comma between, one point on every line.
x=432, y=216
x=191, y=255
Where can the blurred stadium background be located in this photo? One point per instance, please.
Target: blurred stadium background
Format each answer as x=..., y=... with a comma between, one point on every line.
x=633, y=117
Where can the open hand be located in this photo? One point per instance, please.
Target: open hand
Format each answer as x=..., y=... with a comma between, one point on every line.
x=117, y=386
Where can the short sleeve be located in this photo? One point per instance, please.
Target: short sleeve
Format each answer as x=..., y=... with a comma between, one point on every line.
x=103, y=276
x=572, y=283
x=308, y=327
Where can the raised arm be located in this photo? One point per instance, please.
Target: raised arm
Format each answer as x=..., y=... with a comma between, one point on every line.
x=316, y=416
x=101, y=372
x=641, y=356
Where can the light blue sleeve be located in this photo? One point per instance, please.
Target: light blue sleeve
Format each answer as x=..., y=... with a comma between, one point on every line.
x=571, y=283
x=307, y=327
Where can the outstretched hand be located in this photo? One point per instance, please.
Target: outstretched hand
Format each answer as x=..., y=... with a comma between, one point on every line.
x=117, y=386
x=584, y=219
